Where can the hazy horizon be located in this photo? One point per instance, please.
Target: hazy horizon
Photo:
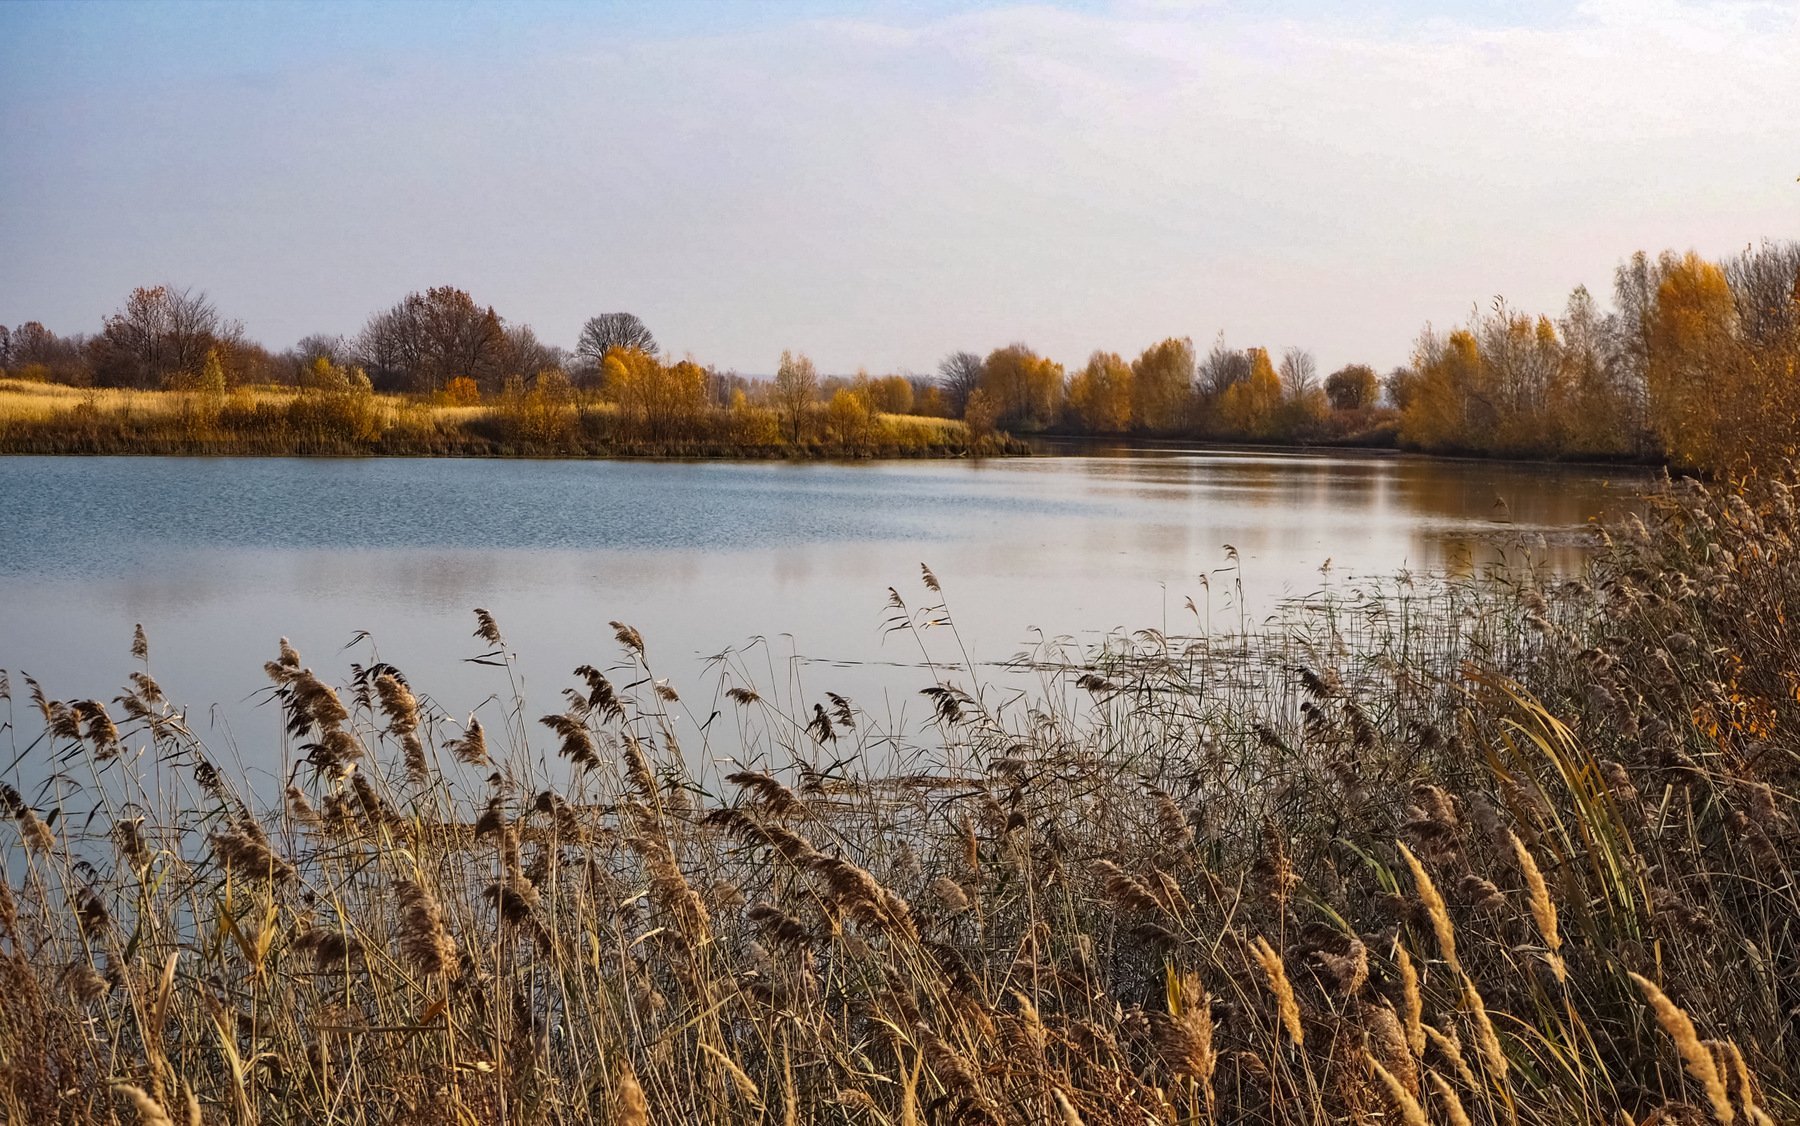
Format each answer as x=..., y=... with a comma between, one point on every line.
x=880, y=184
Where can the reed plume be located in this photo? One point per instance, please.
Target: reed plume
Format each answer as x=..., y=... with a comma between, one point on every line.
x=1698, y=1058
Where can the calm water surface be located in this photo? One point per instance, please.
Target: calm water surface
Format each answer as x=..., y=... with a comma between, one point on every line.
x=218, y=558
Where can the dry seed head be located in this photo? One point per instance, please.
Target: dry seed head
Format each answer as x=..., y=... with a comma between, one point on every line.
x=628, y=637
x=1543, y=908
x=1485, y=1037
x=486, y=629
x=149, y=1111
x=330, y=950
x=1276, y=972
x=1412, y=1004
x=1348, y=971
x=471, y=749
x=83, y=982
x=951, y=894
x=397, y=703
x=1434, y=907
x=1452, y=1103
x=1746, y=1088
x=1184, y=1038
x=1386, y=1041
x=1450, y=1046
x=424, y=939
x=1410, y=1111
x=1065, y=1108
x=243, y=848
x=36, y=835
x=774, y=796
x=299, y=808
x=1177, y=833
x=746, y=1087
x=1126, y=890
x=629, y=1106
x=1680, y=1027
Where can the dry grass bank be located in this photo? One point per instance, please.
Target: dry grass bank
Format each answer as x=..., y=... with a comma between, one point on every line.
x=1479, y=854
x=47, y=418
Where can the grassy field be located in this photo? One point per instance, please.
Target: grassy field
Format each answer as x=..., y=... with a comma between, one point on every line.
x=47, y=418
x=1490, y=852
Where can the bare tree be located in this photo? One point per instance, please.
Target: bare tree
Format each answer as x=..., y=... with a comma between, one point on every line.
x=430, y=338
x=1222, y=369
x=524, y=355
x=161, y=332
x=960, y=374
x=796, y=386
x=1299, y=373
x=1765, y=286
x=607, y=331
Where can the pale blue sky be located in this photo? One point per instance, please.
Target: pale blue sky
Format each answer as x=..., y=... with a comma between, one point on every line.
x=880, y=183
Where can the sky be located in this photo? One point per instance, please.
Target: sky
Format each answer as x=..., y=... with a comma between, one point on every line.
x=879, y=184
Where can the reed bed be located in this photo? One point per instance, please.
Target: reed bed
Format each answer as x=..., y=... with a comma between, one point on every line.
x=1499, y=851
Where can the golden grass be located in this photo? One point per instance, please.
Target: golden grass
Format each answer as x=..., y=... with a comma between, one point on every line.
x=55, y=418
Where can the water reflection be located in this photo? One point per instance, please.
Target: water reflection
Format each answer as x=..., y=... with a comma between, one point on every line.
x=219, y=558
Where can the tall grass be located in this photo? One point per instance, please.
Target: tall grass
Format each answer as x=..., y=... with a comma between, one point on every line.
x=44, y=418
x=1486, y=852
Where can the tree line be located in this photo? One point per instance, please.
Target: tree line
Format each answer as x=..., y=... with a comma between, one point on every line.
x=1696, y=363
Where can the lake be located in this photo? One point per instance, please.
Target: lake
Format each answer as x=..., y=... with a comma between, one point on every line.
x=219, y=558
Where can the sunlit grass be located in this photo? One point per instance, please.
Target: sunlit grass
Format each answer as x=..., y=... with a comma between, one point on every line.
x=52, y=418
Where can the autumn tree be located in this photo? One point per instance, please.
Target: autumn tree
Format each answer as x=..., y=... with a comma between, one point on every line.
x=1399, y=386
x=1696, y=395
x=38, y=353
x=1252, y=408
x=1352, y=387
x=1445, y=401
x=1765, y=289
x=162, y=333
x=796, y=386
x=1222, y=369
x=1162, y=381
x=1100, y=395
x=850, y=418
x=540, y=412
x=521, y=353
x=430, y=338
x=1304, y=407
x=1026, y=388
x=607, y=331
x=980, y=416
x=656, y=400
x=1600, y=409
x=890, y=394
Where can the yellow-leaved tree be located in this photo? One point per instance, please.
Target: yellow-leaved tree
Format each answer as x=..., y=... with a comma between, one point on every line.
x=1100, y=395
x=1162, y=385
x=1251, y=408
x=1700, y=400
x=1025, y=388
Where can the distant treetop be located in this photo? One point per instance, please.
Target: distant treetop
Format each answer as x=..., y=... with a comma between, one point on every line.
x=607, y=331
